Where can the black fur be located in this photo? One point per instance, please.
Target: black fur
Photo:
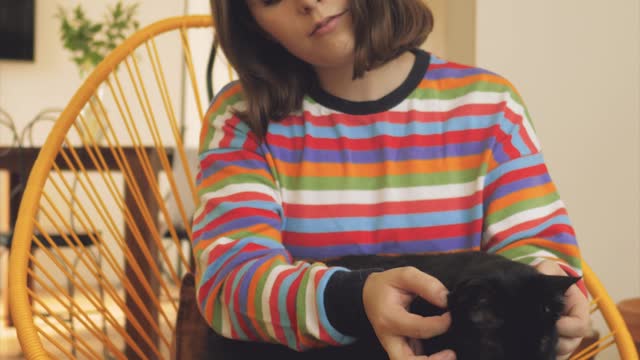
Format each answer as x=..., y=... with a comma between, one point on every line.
x=500, y=309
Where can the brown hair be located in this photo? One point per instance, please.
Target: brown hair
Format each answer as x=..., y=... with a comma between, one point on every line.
x=275, y=82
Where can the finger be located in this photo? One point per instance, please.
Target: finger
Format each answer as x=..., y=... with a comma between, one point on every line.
x=423, y=285
x=549, y=267
x=418, y=327
x=396, y=347
x=566, y=346
x=571, y=327
x=443, y=355
x=576, y=304
x=576, y=321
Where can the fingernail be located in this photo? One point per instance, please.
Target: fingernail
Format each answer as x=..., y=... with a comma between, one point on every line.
x=443, y=296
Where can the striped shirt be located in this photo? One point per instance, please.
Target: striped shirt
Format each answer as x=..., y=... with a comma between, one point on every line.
x=448, y=161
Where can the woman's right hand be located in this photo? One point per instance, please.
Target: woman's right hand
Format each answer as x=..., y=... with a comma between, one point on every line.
x=387, y=295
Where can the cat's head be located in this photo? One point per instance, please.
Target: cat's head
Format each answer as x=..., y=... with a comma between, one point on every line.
x=507, y=317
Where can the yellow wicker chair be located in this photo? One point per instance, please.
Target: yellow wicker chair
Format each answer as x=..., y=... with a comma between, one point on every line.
x=112, y=191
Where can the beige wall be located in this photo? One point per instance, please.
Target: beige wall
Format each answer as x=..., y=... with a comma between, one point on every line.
x=453, y=36
x=26, y=88
x=576, y=63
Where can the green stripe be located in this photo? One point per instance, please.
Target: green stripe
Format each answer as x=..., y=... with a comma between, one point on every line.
x=259, y=319
x=217, y=313
x=521, y=206
x=428, y=93
x=380, y=182
x=523, y=255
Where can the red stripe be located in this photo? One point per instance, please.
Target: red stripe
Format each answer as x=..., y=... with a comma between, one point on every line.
x=236, y=214
x=226, y=293
x=386, y=208
x=236, y=303
x=448, y=65
x=231, y=156
x=274, y=308
x=292, y=292
x=514, y=176
x=383, y=141
x=212, y=204
x=501, y=236
x=381, y=236
x=324, y=335
x=228, y=133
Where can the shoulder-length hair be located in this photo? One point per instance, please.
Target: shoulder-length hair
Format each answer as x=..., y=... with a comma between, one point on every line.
x=275, y=82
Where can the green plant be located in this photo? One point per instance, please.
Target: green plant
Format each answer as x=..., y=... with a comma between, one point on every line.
x=90, y=41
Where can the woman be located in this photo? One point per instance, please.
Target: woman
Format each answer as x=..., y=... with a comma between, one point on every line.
x=342, y=137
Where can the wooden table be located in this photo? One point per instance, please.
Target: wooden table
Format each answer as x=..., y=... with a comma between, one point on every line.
x=18, y=162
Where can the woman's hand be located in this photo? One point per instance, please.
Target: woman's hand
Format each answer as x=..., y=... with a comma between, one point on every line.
x=574, y=324
x=387, y=295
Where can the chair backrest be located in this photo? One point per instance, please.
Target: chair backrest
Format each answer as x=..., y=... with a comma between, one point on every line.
x=101, y=240
x=97, y=254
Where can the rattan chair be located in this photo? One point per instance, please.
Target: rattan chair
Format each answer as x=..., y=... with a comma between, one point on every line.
x=110, y=178
x=114, y=166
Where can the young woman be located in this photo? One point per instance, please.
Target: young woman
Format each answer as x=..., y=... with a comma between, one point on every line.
x=342, y=137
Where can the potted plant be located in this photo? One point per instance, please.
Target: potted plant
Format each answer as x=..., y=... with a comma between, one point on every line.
x=90, y=41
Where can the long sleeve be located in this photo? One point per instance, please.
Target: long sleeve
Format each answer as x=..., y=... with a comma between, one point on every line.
x=248, y=287
x=525, y=219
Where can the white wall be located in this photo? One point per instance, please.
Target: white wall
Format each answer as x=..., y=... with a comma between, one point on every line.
x=26, y=88
x=576, y=63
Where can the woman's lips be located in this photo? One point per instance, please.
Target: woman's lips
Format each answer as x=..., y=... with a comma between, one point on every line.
x=327, y=25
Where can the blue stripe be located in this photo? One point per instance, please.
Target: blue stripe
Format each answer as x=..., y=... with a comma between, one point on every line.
x=560, y=238
x=515, y=164
x=533, y=232
x=391, y=247
x=239, y=257
x=525, y=183
x=285, y=322
x=218, y=165
x=237, y=225
x=322, y=312
x=410, y=128
x=232, y=309
x=404, y=221
x=453, y=73
x=226, y=207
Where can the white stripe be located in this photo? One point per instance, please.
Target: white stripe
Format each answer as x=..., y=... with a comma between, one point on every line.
x=226, y=320
x=204, y=256
x=369, y=197
x=233, y=189
x=521, y=217
x=218, y=123
x=311, y=305
x=474, y=97
x=538, y=257
x=266, y=294
x=531, y=133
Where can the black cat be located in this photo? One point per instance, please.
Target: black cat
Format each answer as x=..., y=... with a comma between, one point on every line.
x=500, y=310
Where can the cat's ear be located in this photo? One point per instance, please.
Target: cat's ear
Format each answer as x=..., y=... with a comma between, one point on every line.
x=558, y=283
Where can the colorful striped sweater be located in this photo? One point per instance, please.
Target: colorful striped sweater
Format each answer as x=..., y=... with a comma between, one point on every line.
x=448, y=161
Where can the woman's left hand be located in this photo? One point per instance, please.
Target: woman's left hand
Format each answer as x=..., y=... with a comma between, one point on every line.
x=574, y=324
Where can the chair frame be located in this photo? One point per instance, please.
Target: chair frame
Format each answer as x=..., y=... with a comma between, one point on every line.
x=21, y=310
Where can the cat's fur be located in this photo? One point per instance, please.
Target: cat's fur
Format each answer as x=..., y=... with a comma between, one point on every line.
x=500, y=309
